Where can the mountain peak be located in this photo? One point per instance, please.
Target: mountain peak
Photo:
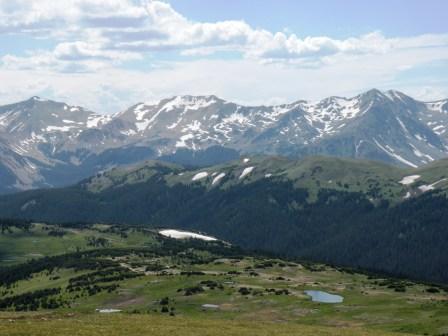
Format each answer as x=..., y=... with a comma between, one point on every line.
x=372, y=93
x=37, y=98
x=186, y=99
x=397, y=95
x=381, y=125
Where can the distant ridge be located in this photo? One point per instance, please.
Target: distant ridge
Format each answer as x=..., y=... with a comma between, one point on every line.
x=44, y=143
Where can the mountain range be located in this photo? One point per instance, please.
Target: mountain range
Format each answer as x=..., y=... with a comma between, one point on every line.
x=44, y=143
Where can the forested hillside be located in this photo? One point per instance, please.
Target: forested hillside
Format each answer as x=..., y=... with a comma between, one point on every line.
x=350, y=213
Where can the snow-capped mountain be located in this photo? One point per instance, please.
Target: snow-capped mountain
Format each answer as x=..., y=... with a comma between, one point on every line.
x=46, y=143
x=37, y=125
x=32, y=132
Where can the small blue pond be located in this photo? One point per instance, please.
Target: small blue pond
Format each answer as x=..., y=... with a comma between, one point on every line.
x=319, y=296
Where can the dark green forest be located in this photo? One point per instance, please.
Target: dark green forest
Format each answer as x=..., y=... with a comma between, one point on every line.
x=341, y=228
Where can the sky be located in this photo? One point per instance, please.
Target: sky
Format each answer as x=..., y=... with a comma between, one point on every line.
x=107, y=55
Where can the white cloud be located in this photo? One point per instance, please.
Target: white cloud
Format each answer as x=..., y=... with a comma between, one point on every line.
x=79, y=50
x=94, y=38
x=94, y=28
x=429, y=93
x=245, y=81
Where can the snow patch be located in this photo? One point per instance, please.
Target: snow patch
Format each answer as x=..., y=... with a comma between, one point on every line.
x=142, y=125
x=217, y=178
x=140, y=111
x=236, y=118
x=328, y=115
x=394, y=155
x=59, y=128
x=210, y=306
x=409, y=179
x=437, y=106
x=246, y=172
x=392, y=95
x=65, y=121
x=188, y=102
x=185, y=235
x=181, y=142
x=425, y=187
x=108, y=311
x=95, y=121
x=402, y=125
x=199, y=176
x=128, y=132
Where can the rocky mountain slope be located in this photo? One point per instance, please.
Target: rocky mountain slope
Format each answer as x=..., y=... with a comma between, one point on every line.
x=46, y=143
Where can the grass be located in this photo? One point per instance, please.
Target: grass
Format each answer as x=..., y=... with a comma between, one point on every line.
x=369, y=307
x=311, y=173
x=365, y=305
x=127, y=324
x=19, y=246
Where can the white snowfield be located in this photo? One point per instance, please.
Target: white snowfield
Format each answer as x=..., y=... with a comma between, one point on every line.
x=390, y=151
x=182, y=141
x=210, y=306
x=184, y=235
x=425, y=187
x=199, y=176
x=188, y=102
x=246, y=172
x=409, y=179
x=59, y=128
x=217, y=178
x=108, y=311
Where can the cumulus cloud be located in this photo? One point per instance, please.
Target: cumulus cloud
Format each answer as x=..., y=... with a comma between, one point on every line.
x=110, y=90
x=94, y=39
x=66, y=57
x=80, y=50
x=103, y=29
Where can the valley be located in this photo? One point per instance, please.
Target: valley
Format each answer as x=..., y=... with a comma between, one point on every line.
x=97, y=277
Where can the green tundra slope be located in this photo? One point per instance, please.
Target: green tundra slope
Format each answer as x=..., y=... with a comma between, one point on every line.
x=137, y=325
x=352, y=213
x=162, y=286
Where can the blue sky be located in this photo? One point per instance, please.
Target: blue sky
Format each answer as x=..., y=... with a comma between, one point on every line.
x=336, y=18
x=109, y=54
